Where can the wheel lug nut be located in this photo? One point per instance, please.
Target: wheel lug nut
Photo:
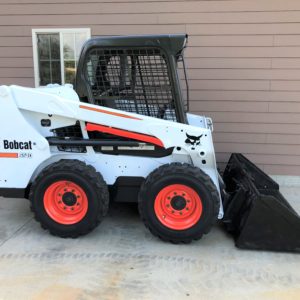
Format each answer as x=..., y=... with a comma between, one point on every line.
x=73, y=191
x=188, y=201
x=78, y=196
x=59, y=194
x=168, y=205
x=180, y=213
x=183, y=194
x=173, y=211
x=65, y=190
x=175, y=193
x=65, y=207
x=187, y=208
x=78, y=204
x=72, y=208
x=59, y=201
x=169, y=198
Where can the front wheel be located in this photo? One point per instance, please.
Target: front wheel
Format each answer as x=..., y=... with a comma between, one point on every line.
x=178, y=203
x=69, y=198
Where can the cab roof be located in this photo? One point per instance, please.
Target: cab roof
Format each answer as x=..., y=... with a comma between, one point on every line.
x=173, y=44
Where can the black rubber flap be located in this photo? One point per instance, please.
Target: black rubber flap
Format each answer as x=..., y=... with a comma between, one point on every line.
x=256, y=213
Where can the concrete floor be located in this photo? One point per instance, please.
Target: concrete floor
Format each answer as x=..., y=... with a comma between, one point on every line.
x=121, y=260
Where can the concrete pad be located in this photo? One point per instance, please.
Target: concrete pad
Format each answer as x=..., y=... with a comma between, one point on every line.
x=122, y=260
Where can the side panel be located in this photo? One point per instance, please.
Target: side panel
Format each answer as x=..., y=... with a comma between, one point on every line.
x=22, y=148
x=191, y=144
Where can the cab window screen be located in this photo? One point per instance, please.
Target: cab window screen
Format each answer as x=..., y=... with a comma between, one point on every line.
x=134, y=80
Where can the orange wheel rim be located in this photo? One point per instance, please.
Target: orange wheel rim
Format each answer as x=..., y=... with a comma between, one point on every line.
x=178, y=207
x=65, y=202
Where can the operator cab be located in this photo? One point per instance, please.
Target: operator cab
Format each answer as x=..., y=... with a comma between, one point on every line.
x=137, y=74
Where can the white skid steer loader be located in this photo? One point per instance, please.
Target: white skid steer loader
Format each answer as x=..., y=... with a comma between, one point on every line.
x=125, y=135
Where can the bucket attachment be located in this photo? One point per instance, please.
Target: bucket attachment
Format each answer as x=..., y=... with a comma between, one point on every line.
x=255, y=212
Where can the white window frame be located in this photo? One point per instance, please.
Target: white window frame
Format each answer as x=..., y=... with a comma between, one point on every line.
x=61, y=31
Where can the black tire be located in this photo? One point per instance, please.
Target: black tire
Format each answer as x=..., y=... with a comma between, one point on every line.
x=91, y=183
x=184, y=174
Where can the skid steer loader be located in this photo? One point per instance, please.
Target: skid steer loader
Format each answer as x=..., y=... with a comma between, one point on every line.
x=126, y=135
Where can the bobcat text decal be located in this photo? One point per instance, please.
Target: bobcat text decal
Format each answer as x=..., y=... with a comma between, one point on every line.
x=14, y=145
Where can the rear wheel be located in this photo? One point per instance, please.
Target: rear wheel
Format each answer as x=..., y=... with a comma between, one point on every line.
x=178, y=203
x=69, y=198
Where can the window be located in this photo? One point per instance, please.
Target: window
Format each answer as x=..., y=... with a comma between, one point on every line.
x=56, y=53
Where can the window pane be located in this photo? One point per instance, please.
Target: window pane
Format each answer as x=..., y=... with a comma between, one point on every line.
x=69, y=45
x=54, y=44
x=49, y=58
x=80, y=39
x=45, y=76
x=70, y=71
x=43, y=46
x=72, y=47
x=56, y=73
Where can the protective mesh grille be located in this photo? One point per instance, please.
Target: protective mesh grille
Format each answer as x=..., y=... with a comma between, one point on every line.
x=133, y=80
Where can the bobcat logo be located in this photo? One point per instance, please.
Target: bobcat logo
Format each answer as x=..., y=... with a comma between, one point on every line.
x=193, y=140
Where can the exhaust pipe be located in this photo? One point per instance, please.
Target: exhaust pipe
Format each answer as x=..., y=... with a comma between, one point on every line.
x=255, y=212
